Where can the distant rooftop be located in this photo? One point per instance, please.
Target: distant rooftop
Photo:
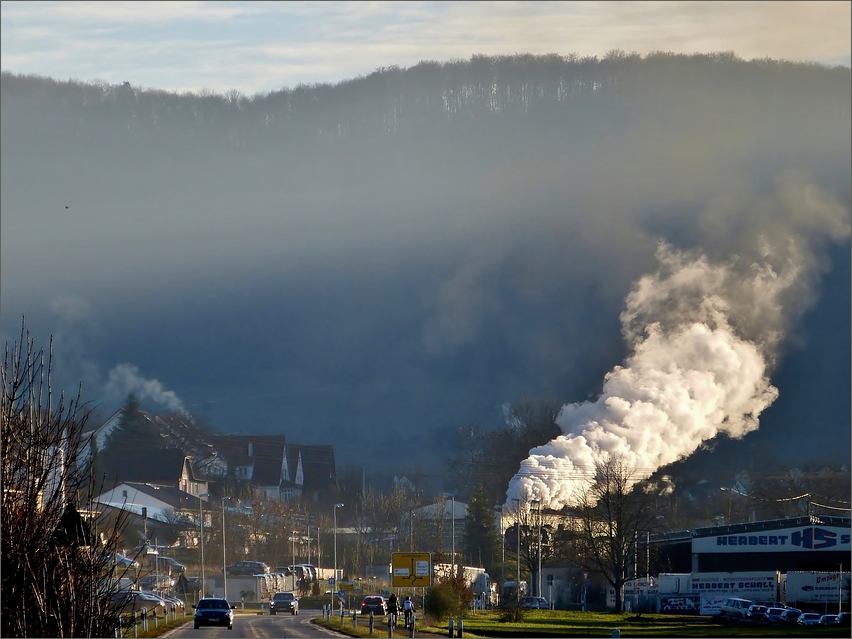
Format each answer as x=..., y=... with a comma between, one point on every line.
x=754, y=526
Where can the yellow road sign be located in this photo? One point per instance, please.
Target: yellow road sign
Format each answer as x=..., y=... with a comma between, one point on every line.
x=346, y=585
x=411, y=569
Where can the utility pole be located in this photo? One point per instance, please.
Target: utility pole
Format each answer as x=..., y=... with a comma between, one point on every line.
x=201, y=516
x=502, y=547
x=411, y=531
x=537, y=502
x=336, y=585
x=224, y=556
x=648, y=557
x=453, y=524
x=518, y=524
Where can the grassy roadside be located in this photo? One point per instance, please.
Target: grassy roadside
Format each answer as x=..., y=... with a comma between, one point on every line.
x=381, y=628
x=164, y=627
x=546, y=623
x=556, y=623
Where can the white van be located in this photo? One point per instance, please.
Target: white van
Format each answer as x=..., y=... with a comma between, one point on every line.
x=735, y=607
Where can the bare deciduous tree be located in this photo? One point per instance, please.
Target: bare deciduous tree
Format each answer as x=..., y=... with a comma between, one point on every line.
x=615, y=511
x=57, y=566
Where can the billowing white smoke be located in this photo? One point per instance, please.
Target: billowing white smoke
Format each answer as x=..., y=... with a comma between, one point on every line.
x=125, y=379
x=702, y=338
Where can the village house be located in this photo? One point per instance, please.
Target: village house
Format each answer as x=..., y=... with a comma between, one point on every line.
x=276, y=469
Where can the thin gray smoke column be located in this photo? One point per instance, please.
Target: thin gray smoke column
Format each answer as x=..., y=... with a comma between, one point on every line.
x=691, y=374
x=125, y=378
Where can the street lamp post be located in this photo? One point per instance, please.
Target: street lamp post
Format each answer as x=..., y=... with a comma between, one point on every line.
x=293, y=545
x=518, y=525
x=336, y=585
x=453, y=524
x=502, y=547
x=537, y=502
x=201, y=521
x=224, y=559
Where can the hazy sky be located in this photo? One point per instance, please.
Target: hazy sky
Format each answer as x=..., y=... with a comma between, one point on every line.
x=262, y=46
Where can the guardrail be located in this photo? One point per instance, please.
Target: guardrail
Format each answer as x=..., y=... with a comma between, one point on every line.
x=131, y=624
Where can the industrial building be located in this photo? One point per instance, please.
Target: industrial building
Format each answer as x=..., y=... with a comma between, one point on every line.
x=815, y=543
x=804, y=561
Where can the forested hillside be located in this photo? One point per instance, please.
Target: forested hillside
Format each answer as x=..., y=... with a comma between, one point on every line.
x=412, y=250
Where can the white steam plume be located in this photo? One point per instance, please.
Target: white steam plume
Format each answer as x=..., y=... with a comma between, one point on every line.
x=125, y=379
x=703, y=338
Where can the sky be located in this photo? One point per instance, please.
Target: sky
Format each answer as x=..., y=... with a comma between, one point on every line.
x=364, y=298
x=262, y=46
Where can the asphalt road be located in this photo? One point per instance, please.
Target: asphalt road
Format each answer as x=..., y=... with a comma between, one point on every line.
x=246, y=625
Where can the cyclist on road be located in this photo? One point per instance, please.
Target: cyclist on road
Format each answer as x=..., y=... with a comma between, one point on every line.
x=392, y=608
x=408, y=609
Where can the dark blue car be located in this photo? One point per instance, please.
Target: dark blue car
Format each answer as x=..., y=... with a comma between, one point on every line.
x=214, y=611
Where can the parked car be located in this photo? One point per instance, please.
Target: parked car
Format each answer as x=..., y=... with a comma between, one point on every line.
x=126, y=601
x=170, y=600
x=375, y=604
x=247, y=568
x=843, y=619
x=773, y=615
x=163, y=564
x=828, y=620
x=116, y=584
x=124, y=562
x=735, y=607
x=758, y=613
x=143, y=549
x=159, y=602
x=790, y=615
x=539, y=603
x=809, y=619
x=213, y=611
x=284, y=602
x=193, y=584
x=156, y=582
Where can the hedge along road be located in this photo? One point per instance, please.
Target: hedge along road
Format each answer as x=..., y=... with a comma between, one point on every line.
x=254, y=625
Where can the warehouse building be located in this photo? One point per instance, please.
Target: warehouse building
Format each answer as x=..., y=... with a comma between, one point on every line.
x=804, y=561
x=815, y=543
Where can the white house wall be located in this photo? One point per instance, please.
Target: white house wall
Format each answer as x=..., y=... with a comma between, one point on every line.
x=135, y=501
